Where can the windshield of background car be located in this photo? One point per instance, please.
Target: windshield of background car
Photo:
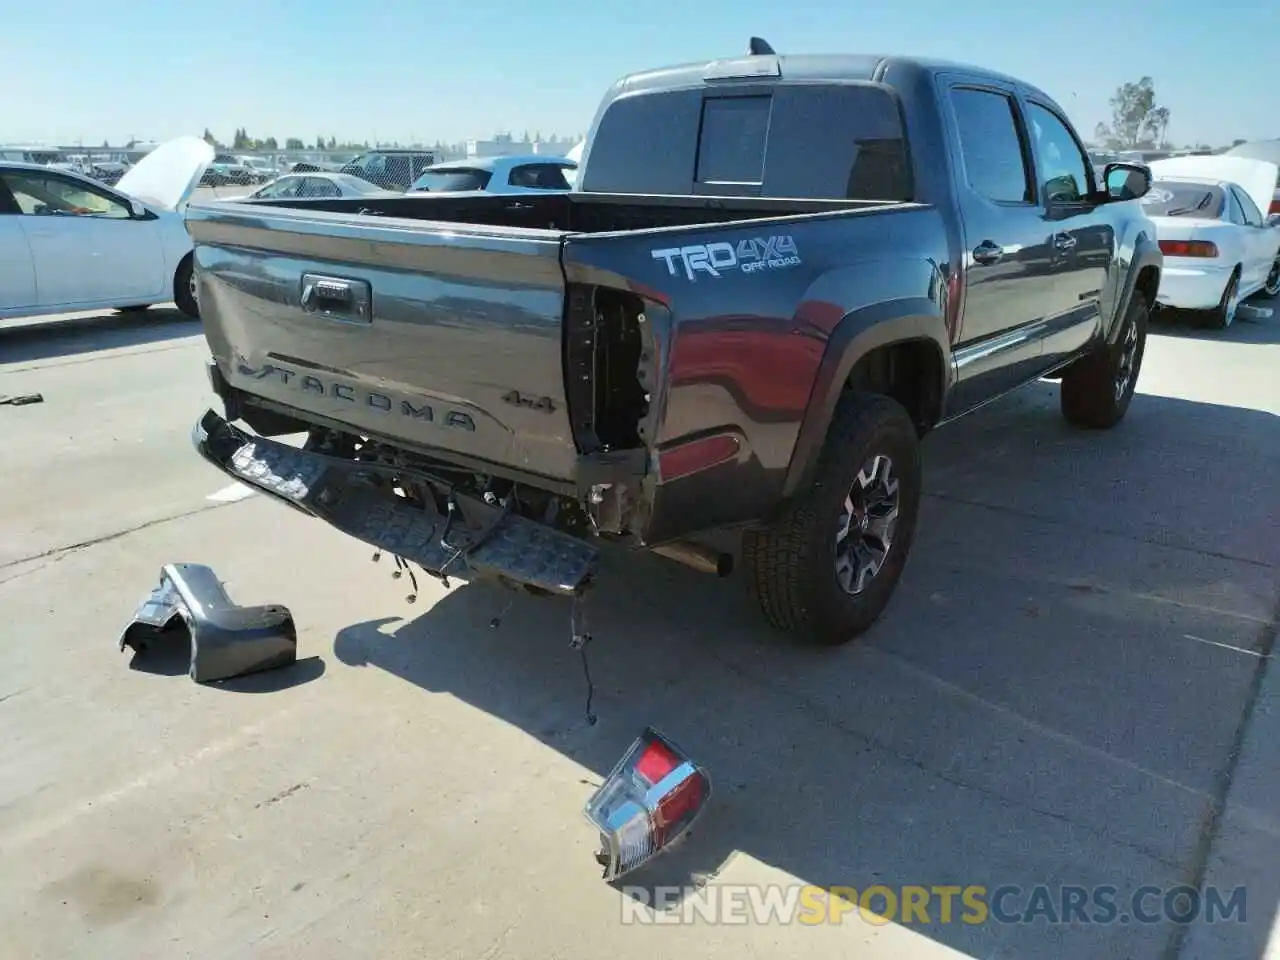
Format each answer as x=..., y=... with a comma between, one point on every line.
x=1175, y=198
x=446, y=181
x=762, y=145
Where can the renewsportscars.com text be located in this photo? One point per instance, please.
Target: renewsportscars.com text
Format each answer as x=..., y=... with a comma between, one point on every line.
x=925, y=905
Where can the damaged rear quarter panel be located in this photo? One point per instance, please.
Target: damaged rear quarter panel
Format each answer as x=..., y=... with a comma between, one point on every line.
x=743, y=349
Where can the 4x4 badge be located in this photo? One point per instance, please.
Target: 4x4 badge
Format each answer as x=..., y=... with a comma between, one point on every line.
x=517, y=399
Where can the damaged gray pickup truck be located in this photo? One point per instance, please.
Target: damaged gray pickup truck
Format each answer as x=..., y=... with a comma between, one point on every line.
x=774, y=276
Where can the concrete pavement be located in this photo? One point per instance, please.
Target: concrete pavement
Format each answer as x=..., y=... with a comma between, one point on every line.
x=1062, y=693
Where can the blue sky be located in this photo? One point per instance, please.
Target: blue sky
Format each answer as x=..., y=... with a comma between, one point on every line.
x=394, y=69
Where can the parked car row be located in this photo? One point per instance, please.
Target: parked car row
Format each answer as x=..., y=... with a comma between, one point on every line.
x=415, y=171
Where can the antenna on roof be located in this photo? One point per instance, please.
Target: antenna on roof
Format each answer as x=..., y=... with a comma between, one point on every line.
x=760, y=48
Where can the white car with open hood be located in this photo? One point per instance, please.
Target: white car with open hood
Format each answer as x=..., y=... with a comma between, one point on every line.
x=1219, y=247
x=69, y=243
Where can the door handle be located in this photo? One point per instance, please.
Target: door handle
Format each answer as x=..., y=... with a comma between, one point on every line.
x=987, y=252
x=1064, y=241
x=336, y=298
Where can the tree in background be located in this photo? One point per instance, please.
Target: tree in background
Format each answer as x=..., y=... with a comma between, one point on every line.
x=1137, y=121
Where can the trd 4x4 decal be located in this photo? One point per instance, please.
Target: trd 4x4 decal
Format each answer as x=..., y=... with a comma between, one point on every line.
x=713, y=259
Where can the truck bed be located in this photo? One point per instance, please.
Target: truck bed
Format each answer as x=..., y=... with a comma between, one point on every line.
x=566, y=212
x=506, y=335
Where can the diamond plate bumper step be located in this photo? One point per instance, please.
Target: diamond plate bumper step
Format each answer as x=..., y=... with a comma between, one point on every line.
x=346, y=495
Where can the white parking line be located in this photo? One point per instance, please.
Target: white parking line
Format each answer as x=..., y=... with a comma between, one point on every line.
x=237, y=491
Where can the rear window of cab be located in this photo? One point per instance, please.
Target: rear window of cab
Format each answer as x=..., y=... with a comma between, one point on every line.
x=826, y=141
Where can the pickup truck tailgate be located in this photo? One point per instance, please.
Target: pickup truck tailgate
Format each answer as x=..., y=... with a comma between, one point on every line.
x=441, y=336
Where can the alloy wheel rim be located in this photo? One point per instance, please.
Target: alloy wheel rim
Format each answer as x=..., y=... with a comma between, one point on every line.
x=865, y=529
x=1233, y=302
x=1272, y=286
x=1128, y=360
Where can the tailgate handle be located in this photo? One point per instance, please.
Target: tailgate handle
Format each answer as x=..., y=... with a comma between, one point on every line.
x=337, y=298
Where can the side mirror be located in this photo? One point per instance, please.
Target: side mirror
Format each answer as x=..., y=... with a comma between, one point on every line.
x=137, y=210
x=1273, y=220
x=1126, y=181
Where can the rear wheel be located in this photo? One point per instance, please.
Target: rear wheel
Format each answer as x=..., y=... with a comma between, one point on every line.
x=1224, y=314
x=828, y=566
x=184, y=288
x=1097, y=389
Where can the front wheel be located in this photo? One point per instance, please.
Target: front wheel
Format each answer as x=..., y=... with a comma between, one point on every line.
x=184, y=288
x=1098, y=388
x=827, y=567
x=1272, y=287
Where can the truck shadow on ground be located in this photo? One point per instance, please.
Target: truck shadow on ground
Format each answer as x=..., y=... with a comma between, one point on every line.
x=1053, y=696
x=39, y=338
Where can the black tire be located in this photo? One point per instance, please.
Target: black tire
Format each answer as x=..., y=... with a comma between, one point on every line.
x=1271, y=288
x=1093, y=394
x=1223, y=315
x=183, y=294
x=792, y=563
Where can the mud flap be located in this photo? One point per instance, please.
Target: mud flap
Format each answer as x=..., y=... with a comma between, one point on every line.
x=227, y=640
x=354, y=498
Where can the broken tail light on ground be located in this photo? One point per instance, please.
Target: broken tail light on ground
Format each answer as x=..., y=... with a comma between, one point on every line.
x=647, y=803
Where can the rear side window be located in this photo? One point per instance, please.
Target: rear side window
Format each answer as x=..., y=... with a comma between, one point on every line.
x=319, y=187
x=990, y=146
x=539, y=176
x=732, y=140
x=1252, y=215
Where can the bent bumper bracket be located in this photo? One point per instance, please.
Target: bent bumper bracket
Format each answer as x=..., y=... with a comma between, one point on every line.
x=227, y=640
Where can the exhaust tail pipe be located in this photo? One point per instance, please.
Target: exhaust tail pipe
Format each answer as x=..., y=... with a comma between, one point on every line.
x=698, y=557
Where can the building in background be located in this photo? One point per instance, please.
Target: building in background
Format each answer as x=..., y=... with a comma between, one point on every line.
x=477, y=149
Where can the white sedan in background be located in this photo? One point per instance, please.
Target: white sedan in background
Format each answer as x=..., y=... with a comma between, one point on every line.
x=1219, y=247
x=534, y=173
x=316, y=185
x=69, y=243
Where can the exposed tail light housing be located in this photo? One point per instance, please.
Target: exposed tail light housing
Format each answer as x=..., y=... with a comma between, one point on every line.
x=647, y=803
x=1275, y=206
x=1188, y=248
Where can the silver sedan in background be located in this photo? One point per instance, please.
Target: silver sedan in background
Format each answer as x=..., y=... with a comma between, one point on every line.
x=316, y=185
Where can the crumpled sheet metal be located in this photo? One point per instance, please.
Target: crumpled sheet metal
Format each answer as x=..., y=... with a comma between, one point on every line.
x=227, y=640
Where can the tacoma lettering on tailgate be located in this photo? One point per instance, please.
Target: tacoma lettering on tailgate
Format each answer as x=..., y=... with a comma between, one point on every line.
x=748, y=256
x=417, y=409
